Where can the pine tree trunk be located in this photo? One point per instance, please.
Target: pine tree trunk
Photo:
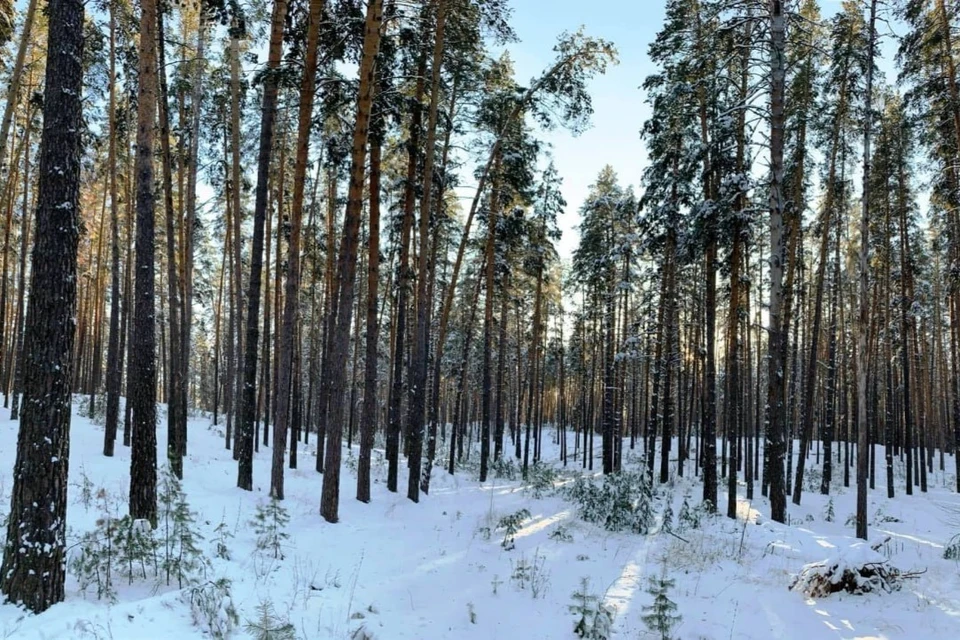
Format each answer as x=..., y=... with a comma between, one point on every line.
x=268, y=115
x=489, y=257
x=175, y=344
x=143, y=367
x=34, y=558
x=347, y=264
x=114, y=372
x=291, y=298
x=421, y=345
x=368, y=419
x=775, y=391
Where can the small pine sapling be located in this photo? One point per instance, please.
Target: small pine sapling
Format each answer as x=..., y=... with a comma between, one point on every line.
x=211, y=606
x=666, y=524
x=270, y=626
x=223, y=536
x=661, y=616
x=182, y=556
x=269, y=525
x=511, y=525
x=691, y=516
x=952, y=550
x=593, y=619
x=829, y=515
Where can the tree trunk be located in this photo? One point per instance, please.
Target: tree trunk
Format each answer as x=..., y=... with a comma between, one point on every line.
x=268, y=118
x=347, y=264
x=114, y=372
x=775, y=391
x=143, y=368
x=368, y=418
x=34, y=558
x=291, y=297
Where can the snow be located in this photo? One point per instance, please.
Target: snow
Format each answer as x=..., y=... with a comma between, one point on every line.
x=426, y=571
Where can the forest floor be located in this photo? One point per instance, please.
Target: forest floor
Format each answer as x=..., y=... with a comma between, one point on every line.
x=439, y=569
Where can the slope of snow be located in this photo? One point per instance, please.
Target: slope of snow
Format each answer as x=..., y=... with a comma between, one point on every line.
x=427, y=571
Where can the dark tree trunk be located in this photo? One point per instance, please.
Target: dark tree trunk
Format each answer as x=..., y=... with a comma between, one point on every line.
x=368, y=419
x=776, y=407
x=291, y=297
x=143, y=367
x=34, y=558
x=114, y=372
x=268, y=113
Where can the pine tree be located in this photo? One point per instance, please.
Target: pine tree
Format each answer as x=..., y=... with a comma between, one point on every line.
x=661, y=615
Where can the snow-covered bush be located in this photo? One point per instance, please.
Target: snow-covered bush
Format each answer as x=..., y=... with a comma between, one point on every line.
x=505, y=468
x=98, y=412
x=540, y=479
x=881, y=517
x=561, y=534
x=666, y=522
x=594, y=620
x=857, y=569
x=622, y=501
x=211, y=607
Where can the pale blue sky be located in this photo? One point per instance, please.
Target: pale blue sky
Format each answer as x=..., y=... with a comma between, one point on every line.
x=619, y=108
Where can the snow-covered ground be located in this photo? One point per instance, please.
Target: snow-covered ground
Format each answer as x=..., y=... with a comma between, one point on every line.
x=400, y=570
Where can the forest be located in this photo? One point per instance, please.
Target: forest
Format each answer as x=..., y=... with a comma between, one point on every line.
x=298, y=263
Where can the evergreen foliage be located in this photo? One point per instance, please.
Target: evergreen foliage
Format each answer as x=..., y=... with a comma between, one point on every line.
x=212, y=608
x=182, y=557
x=511, y=524
x=268, y=625
x=594, y=620
x=622, y=501
x=268, y=526
x=661, y=616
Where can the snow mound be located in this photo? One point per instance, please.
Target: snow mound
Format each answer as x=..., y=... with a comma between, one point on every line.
x=858, y=569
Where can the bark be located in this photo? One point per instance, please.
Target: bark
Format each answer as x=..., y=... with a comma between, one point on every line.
x=368, y=418
x=864, y=266
x=143, y=368
x=114, y=372
x=268, y=115
x=775, y=390
x=291, y=297
x=34, y=557
x=347, y=264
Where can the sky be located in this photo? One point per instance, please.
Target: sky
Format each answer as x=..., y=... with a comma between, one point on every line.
x=619, y=103
x=619, y=107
